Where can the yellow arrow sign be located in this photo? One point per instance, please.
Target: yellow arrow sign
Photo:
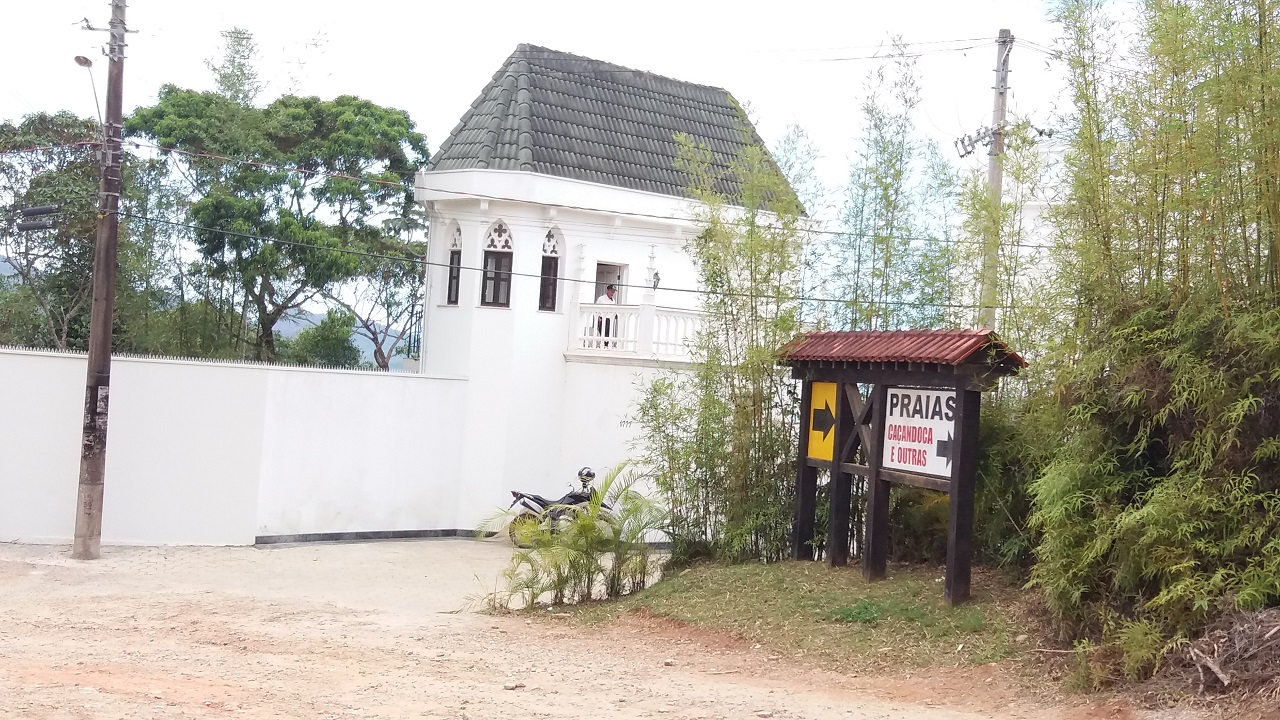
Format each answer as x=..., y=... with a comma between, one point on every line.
x=822, y=421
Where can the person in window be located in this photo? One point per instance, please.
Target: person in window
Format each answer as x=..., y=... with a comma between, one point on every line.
x=607, y=325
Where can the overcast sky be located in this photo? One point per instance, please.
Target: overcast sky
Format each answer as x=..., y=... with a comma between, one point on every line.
x=432, y=58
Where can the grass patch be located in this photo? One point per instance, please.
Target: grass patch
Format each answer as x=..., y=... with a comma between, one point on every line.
x=808, y=609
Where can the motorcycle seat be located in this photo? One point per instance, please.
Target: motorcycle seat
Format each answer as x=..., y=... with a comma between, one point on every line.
x=539, y=499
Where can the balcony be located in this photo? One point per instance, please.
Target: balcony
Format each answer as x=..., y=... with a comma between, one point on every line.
x=642, y=334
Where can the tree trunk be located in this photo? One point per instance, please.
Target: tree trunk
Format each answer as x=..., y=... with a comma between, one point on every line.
x=266, y=338
x=266, y=343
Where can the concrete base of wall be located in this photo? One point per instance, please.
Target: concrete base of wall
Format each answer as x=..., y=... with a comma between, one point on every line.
x=363, y=536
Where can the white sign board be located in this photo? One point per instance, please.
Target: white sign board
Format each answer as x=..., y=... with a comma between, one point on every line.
x=919, y=431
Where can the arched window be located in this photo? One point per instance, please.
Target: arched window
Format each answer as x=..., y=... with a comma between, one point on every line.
x=552, y=250
x=495, y=288
x=455, y=266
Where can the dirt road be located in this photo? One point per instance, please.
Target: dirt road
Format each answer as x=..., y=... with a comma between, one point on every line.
x=370, y=631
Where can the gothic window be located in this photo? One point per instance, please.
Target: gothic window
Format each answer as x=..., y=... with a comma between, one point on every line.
x=495, y=290
x=499, y=237
x=455, y=268
x=455, y=277
x=495, y=287
x=551, y=243
x=550, y=280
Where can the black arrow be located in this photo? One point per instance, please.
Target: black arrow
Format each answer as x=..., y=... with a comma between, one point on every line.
x=944, y=449
x=823, y=420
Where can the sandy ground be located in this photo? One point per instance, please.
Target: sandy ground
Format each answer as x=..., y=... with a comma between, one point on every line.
x=374, y=631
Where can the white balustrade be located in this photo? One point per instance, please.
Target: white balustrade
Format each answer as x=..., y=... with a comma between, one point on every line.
x=608, y=327
x=644, y=331
x=674, y=332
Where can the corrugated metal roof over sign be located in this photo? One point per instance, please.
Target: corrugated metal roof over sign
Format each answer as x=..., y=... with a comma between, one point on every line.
x=938, y=347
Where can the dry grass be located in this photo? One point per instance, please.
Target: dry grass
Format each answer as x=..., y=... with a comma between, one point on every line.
x=808, y=609
x=1240, y=653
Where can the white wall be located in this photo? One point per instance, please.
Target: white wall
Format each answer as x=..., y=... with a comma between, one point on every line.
x=220, y=453
x=600, y=403
x=223, y=453
x=41, y=412
x=346, y=452
x=183, y=452
x=533, y=415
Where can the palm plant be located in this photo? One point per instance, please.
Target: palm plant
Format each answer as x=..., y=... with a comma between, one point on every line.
x=575, y=553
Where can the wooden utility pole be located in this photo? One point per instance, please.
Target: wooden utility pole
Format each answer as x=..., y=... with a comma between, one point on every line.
x=93, y=447
x=995, y=185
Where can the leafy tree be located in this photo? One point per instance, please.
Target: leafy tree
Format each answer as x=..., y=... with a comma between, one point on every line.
x=49, y=159
x=236, y=76
x=308, y=178
x=1153, y=462
x=796, y=155
x=328, y=343
x=19, y=315
x=895, y=259
x=721, y=440
x=269, y=237
x=51, y=269
x=385, y=294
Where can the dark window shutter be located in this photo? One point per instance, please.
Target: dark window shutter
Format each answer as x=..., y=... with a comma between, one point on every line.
x=455, y=277
x=495, y=289
x=550, y=279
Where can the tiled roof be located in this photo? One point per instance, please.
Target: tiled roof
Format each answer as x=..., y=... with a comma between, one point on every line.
x=937, y=347
x=559, y=114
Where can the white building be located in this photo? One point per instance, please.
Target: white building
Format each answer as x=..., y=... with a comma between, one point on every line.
x=560, y=180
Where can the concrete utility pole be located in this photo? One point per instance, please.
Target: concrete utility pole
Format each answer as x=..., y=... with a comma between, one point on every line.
x=93, y=447
x=995, y=185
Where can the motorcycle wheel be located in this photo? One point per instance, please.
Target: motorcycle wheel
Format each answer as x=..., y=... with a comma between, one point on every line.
x=515, y=529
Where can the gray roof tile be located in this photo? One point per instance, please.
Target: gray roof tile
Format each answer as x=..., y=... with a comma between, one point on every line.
x=559, y=114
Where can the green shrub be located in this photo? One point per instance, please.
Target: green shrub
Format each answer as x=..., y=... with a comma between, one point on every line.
x=600, y=550
x=1161, y=504
x=1011, y=448
x=917, y=525
x=1141, y=646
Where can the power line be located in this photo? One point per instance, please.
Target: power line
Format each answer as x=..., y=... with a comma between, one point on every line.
x=261, y=238
x=878, y=46
x=60, y=146
x=499, y=198
x=1042, y=47
x=576, y=65
x=894, y=55
x=1058, y=56
x=428, y=263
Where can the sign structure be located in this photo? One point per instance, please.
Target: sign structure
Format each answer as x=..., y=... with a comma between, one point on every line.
x=920, y=430
x=891, y=408
x=822, y=421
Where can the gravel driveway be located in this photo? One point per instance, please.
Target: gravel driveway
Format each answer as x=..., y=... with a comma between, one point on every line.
x=368, y=631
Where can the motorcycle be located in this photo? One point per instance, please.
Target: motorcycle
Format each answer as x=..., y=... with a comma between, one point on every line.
x=550, y=515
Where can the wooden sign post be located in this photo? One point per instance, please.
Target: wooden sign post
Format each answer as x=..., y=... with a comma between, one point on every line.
x=894, y=407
